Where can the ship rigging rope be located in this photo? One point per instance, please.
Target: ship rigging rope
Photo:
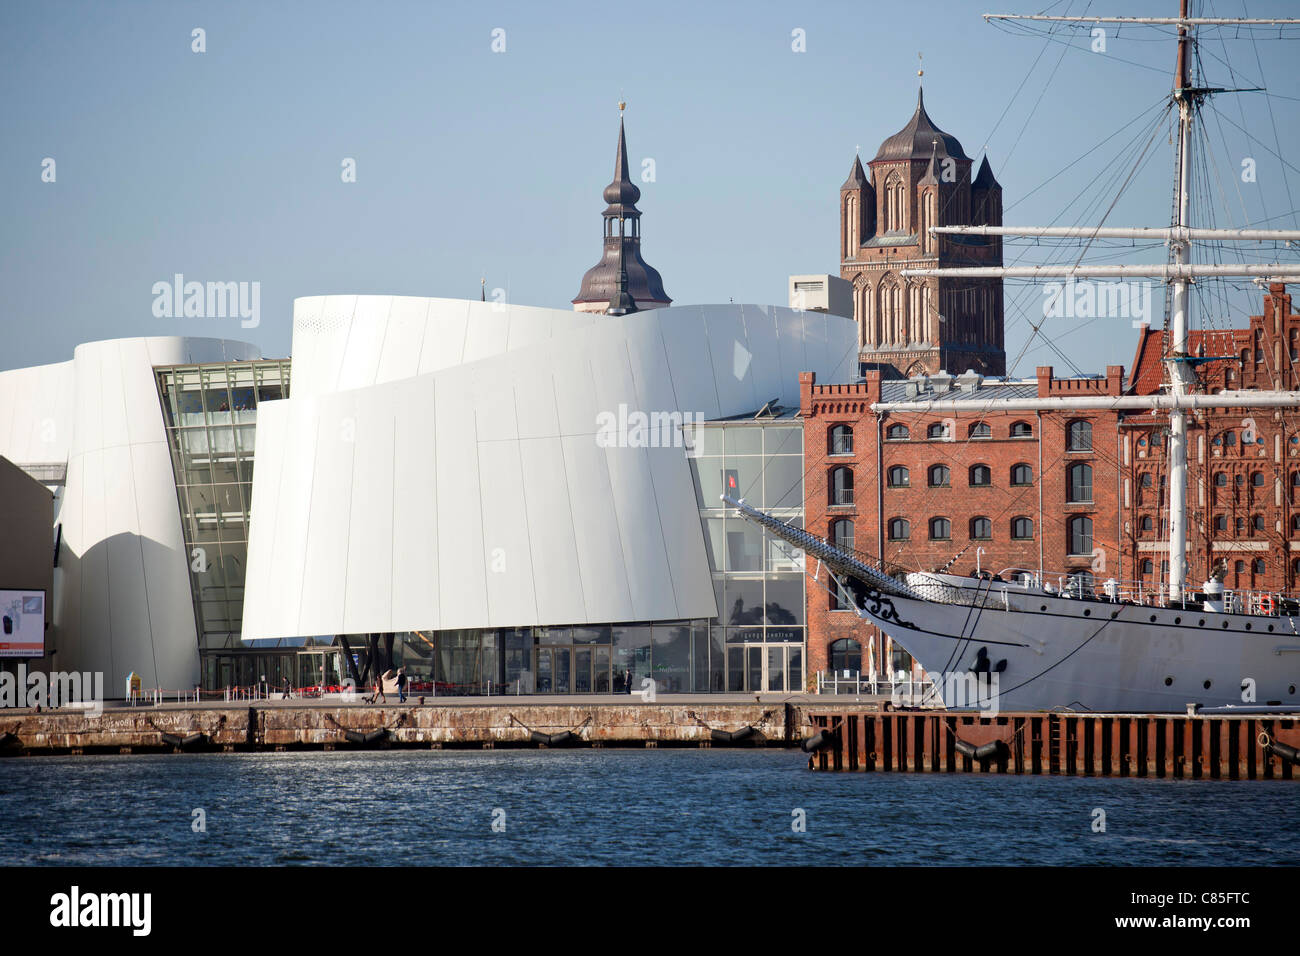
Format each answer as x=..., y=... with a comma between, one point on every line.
x=1165, y=104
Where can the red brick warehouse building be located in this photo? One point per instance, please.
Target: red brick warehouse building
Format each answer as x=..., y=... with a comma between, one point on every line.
x=1243, y=478
x=1063, y=491
x=984, y=489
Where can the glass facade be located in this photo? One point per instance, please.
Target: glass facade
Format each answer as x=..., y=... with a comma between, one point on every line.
x=210, y=413
x=758, y=581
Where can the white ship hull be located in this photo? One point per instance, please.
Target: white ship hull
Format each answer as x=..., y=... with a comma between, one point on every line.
x=1090, y=655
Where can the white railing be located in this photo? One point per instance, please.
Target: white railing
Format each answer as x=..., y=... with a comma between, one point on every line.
x=905, y=686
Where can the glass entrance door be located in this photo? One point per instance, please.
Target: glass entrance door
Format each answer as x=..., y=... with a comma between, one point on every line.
x=563, y=670
x=555, y=670
x=752, y=668
x=582, y=670
x=545, y=684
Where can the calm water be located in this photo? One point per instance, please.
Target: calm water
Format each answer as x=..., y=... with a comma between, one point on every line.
x=603, y=807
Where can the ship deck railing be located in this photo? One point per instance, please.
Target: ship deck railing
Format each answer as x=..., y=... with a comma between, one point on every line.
x=1086, y=586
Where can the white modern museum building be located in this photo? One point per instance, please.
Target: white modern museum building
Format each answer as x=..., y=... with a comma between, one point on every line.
x=435, y=469
x=499, y=497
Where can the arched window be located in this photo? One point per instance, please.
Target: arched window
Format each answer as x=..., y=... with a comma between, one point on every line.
x=1147, y=524
x=1257, y=565
x=1079, y=436
x=842, y=533
x=1021, y=430
x=844, y=655
x=940, y=529
x=1022, y=474
x=1078, y=485
x=1022, y=529
x=899, y=477
x=981, y=430
x=940, y=477
x=1239, y=480
x=1239, y=567
x=841, y=440
x=1220, y=523
x=1257, y=523
x=900, y=529
x=1229, y=438
x=1080, y=534
x=897, y=433
x=981, y=476
x=937, y=430
x=981, y=528
x=1146, y=479
x=1148, y=566
x=1220, y=479
x=1295, y=523
x=895, y=203
x=1257, y=479
x=841, y=486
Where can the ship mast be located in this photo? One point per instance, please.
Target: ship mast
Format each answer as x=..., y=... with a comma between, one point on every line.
x=1179, y=272
x=1180, y=373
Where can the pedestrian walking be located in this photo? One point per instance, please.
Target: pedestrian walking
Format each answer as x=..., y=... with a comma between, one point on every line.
x=627, y=680
x=401, y=685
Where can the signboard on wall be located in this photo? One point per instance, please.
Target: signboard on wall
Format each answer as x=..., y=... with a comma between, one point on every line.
x=22, y=623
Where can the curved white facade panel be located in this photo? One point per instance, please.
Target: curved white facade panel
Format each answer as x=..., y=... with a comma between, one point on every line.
x=122, y=589
x=437, y=465
x=36, y=407
x=350, y=341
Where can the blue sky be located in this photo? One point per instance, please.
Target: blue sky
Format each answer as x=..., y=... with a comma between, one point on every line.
x=225, y=165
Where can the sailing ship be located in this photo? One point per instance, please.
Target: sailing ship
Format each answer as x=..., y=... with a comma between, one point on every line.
x=1032, y=645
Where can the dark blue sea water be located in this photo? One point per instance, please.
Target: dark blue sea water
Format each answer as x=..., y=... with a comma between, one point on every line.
x=611, y=807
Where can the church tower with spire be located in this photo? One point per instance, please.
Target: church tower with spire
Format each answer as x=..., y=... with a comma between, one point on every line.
x=921, y=177
x=640, y=286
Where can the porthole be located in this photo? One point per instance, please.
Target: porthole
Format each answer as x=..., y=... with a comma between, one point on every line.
x=1153, y=618
x=1201, y=623
x=1291, y=689
x=1114, y=614
x=1270, y=628
x=1168, y=681
x=1225, y=624
x=1043, y=608
x=1087, y=612
x=1178, y=620
x=1248, y=627
x=1206, y=685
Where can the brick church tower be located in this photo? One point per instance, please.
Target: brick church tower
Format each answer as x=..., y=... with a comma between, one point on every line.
x=920, y=178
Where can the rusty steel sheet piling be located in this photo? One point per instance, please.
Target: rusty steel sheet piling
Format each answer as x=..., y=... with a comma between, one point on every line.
x=1195, y=747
